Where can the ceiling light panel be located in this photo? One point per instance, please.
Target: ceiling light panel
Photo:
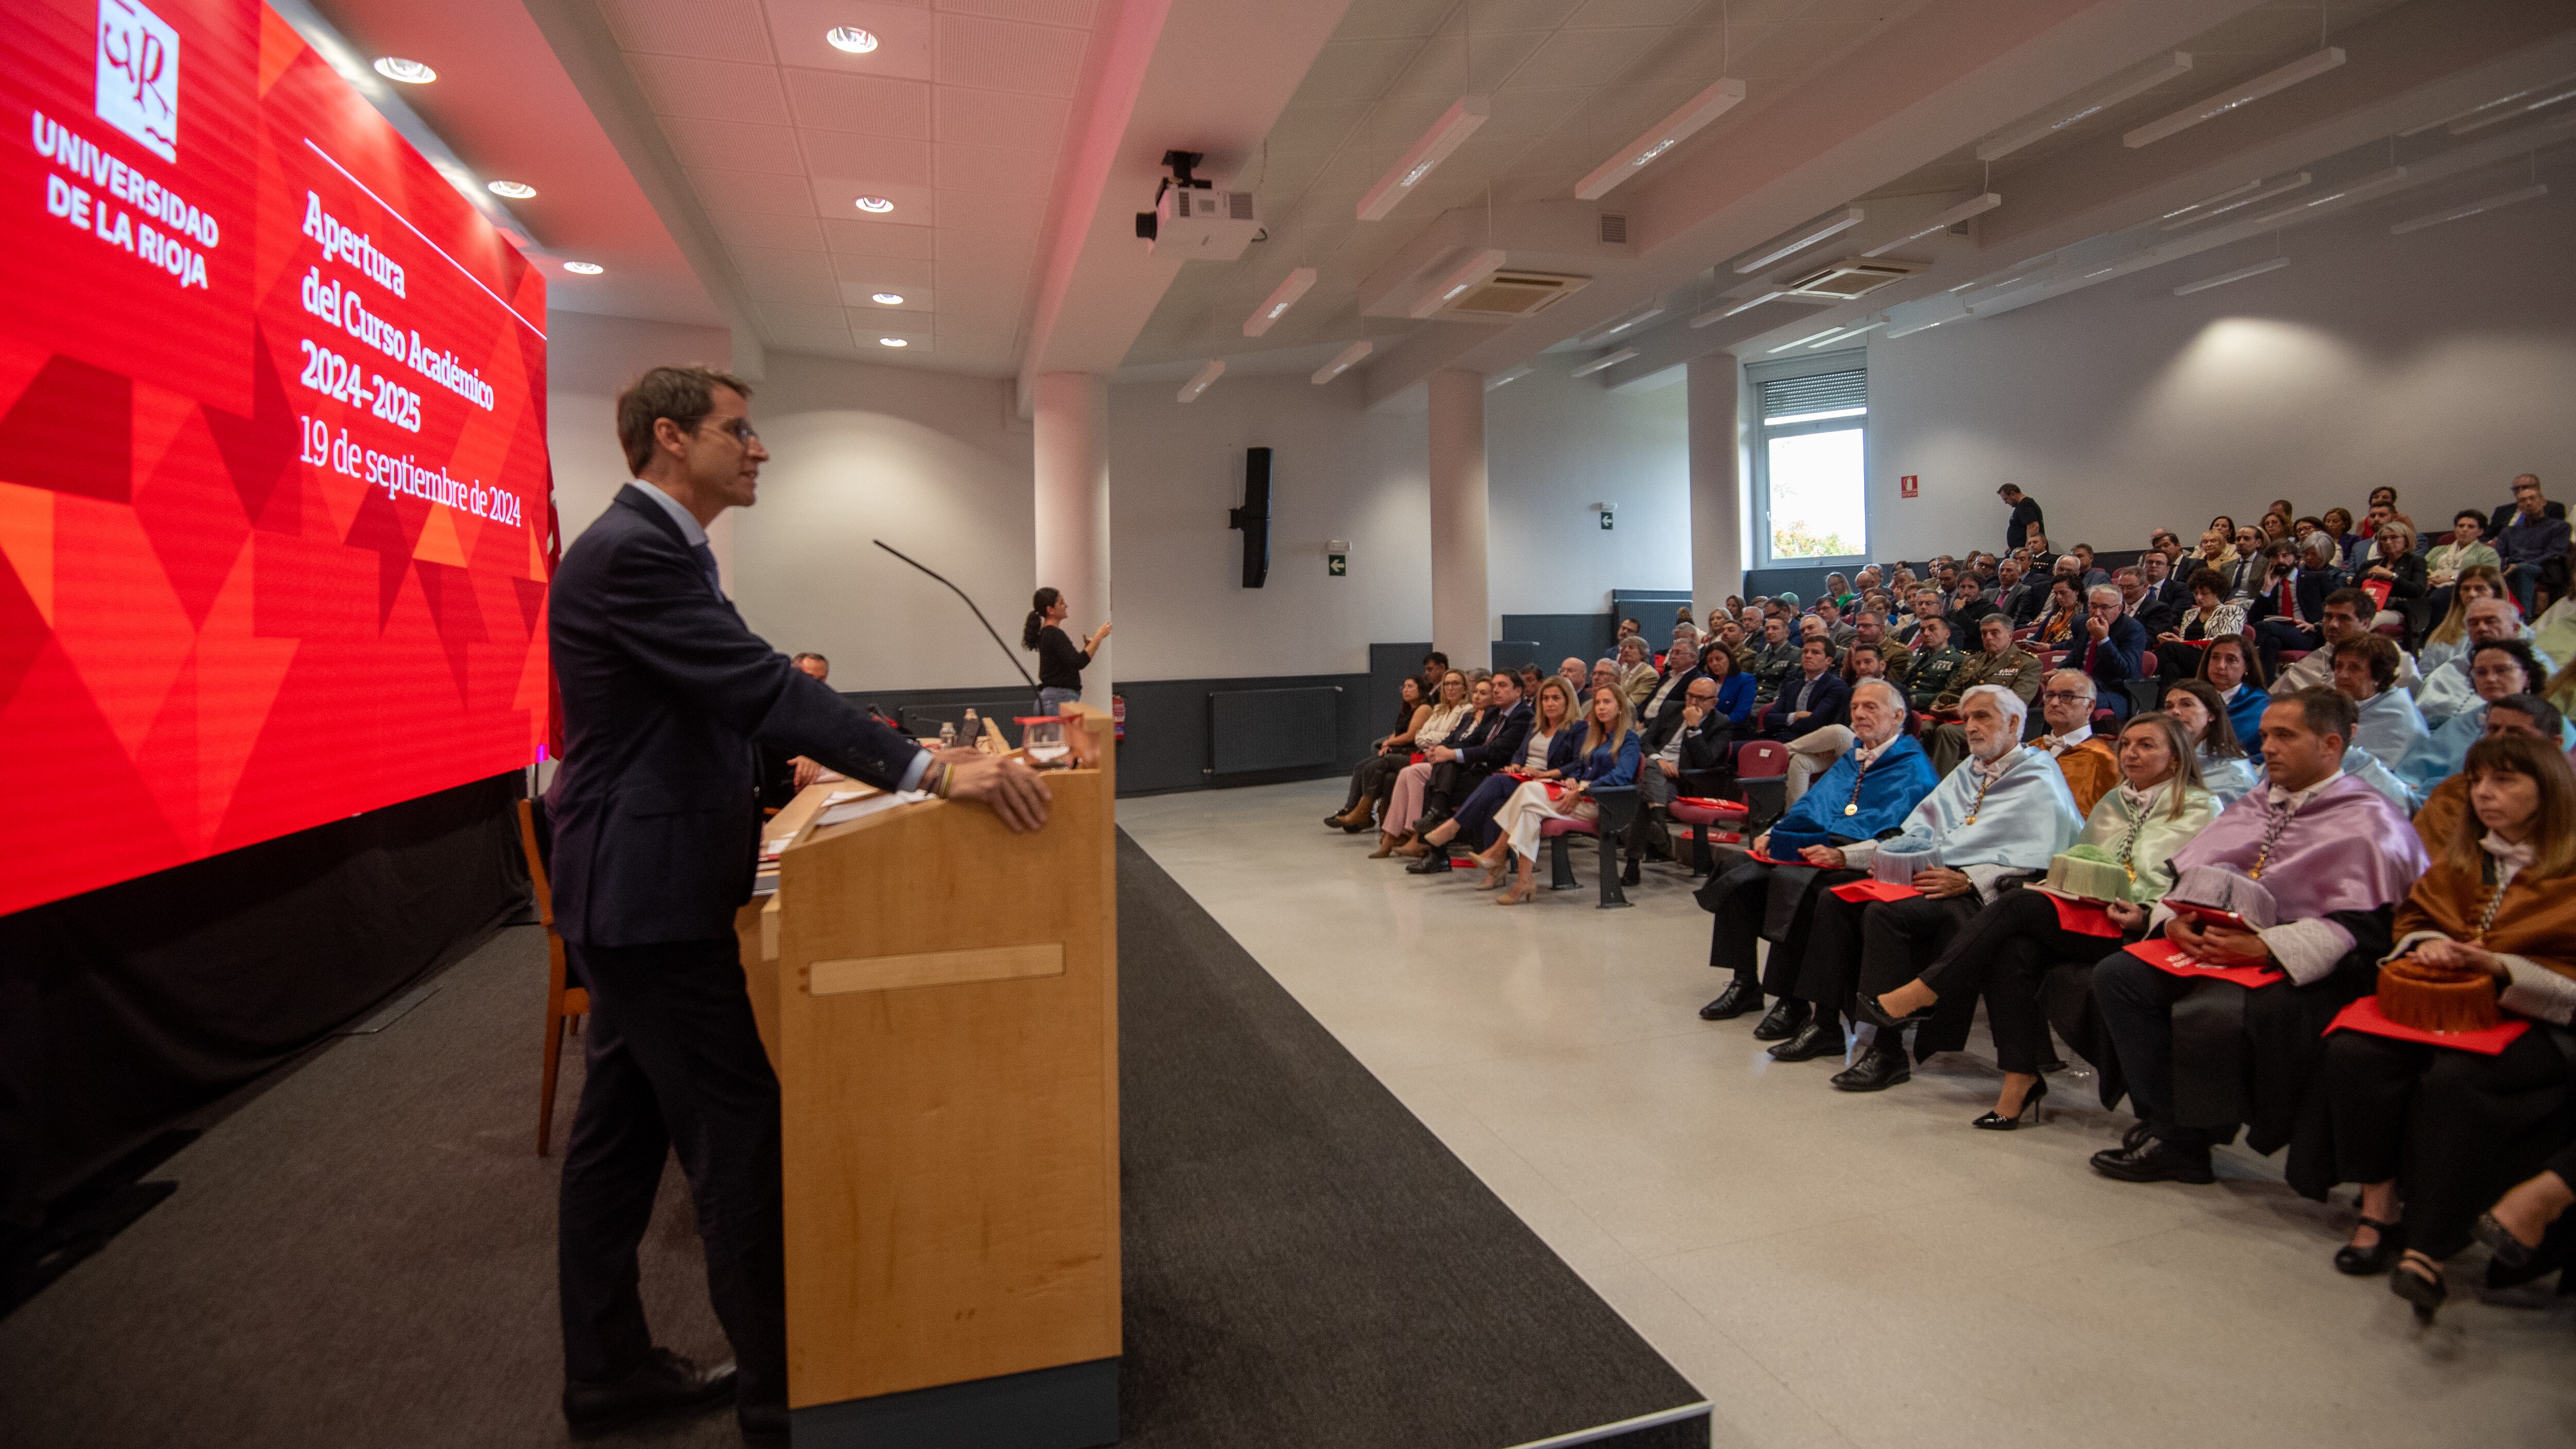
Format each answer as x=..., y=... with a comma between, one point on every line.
x=1604, y=362
x=1663, y=136
x=1809, y=338
x=2138, y=82
x=850, y=39
x=1748, y=304
x=1502, y=378
x=1447, y=134
x=2469, y=209
x=2223, y=278
x=2350, y=191
x=1276, y=305
x=1832, y=226
x=515, y=190
x=409, y=72
x=1349, y=357
x=2306, y=67
x=1973, y=206
x=1454, y=283
x=2483, y=107
x=2199, y=212
x=2479, y=123
x=1200, y=381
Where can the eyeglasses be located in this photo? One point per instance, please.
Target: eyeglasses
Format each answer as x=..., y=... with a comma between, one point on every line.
x=740, y=430
x=2060, y=696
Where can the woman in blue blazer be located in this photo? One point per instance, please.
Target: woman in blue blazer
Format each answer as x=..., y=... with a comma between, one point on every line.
x=1734, y=686
x=1604, y=757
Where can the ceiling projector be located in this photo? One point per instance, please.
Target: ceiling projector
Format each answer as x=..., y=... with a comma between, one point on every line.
x=1196, y=221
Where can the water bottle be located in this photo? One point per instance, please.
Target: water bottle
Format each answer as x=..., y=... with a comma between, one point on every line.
x=947, y=734
x=974, y=732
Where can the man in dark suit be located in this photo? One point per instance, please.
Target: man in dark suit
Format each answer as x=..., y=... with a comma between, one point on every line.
x=1967, y=607
x=2290, y=610
x=665, y=695
x=2112, y=649
x=1811, y=699
x=1455, y=773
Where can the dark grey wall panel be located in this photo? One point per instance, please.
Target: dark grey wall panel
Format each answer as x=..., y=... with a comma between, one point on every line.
x=1168, y=739
x=1273, y=729
x=1389, y=665
x=1585, y=636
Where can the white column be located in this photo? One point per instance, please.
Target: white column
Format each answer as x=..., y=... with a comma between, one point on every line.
x=1072, y=418
x=1716, y=480
x=1461, y=625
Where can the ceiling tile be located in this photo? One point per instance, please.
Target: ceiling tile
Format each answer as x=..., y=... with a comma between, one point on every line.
x=1317, y=128
x=1534, y=112
x=1030, y=59
x=1517, y=15
x=999, y=118
x=733, y=146
x=1374, y=19
x=833, y=339
x=1594, y=14
x=789, y=314
x=787, y=233
x=837, y=196
x=866, y=105
x=852, y=237
x=1009, y=256
x=1584, y=57
x=707, y=29
x=990, y=168
x=1075, y=13
x=1441, y=68
x=860, y=298
x=720, y=90
x=875, y=164
x=992, y=214
x=782, y=289
x=883, y=274
x=753, y=261
x=1354, y=70
x=753, y=191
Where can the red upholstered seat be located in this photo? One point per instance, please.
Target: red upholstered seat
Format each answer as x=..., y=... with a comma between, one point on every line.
x=1707, y=812
x=2293, y=656
x=1762, y=760
x=1561, y=826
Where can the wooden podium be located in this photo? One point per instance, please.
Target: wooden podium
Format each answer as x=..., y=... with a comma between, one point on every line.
x=939, y=997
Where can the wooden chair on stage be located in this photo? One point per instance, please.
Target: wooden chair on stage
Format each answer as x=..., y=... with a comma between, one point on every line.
x=563, y=1002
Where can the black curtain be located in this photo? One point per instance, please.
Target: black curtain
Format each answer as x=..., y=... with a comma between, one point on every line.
x=126, y=1009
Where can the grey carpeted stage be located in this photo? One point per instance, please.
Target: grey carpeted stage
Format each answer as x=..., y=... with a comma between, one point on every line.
x=363, y=1253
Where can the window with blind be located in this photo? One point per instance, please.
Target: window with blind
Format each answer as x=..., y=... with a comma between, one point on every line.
x=1808, y=466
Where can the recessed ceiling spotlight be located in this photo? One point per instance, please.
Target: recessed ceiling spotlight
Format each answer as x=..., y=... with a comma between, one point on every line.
x=515, y=190
x=875, y=205
x=409, y=72
x=891, y=299
x=850, y=38
x=584, y=269
x=892, y=342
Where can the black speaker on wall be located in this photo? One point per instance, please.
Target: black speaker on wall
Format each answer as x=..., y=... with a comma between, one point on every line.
x=1254, y=517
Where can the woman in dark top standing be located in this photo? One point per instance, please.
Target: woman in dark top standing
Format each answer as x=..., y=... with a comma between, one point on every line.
x=1060, y=663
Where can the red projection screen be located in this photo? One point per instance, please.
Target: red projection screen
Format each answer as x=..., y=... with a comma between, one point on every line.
x=273, y=476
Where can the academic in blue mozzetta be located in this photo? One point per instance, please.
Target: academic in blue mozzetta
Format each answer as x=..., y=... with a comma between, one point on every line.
x=1897, y=781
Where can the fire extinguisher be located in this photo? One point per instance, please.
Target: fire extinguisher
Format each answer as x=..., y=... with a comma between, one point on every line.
x=1118, y=718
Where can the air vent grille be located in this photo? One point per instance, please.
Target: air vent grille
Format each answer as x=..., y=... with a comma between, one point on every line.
x=1614, y=229
x=1850, y=277
x=1506, y=295
x=1238, y=205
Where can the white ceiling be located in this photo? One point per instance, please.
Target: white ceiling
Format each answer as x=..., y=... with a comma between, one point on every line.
x=958, y=118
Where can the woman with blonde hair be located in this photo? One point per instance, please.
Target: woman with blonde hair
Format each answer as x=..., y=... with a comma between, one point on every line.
x=1554, y=730
x=2449, y=639
x=2392, y=560
x=2436, y=1132
x=1452, y=716
x=1604, y=757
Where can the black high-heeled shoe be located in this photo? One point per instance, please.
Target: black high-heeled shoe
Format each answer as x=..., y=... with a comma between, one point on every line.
x=2425, y=1293
x=2509, y=1251
x=2372, y=1261
x=2030, y=1100
x=1887, y=1019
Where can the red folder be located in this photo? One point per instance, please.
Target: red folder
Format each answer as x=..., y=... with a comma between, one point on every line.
x=2378, y=590
x=2085, y=918
x=1875, y=890
x=2363, y=1015
x=2172, y=960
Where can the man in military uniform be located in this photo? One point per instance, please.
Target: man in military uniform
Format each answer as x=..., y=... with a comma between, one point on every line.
x=2005, y=665
x=1931, y=664
x=1774, y=662
x=1870, y=627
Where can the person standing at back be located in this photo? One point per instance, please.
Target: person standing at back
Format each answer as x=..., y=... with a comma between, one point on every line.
x=2025, y=519
x=1060, y=664
x=656, y=834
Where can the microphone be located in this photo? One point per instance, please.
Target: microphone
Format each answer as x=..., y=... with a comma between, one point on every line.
x=970, y=603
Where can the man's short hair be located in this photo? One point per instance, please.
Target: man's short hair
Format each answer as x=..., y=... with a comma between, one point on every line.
x=810, y=654
x=685, y=395
x=1436, y=657
x=1895, y=696
x=2324, y=711
x=2009, y=488
x=1943, y=621
x=2091, y=690
x=2544, y=715
x=2098, y=590
x=2363, y=606
x=2379, y=652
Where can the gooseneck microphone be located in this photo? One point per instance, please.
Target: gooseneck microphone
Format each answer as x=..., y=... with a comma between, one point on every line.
x=970, y=603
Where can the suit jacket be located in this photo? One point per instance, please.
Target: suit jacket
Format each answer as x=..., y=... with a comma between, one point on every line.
x=1669, y=717
x=1502, y=745
x=1829, y=703
x=2507, y=511
x=2112, y=663
x=2310, y=588
x=2020, y=602
x=665, y=692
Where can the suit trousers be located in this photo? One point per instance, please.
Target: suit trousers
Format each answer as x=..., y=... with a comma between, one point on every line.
x=1739, y=896
x=2006, y=953
x=1876, y=946
x=2454, y=1128
x=674, y=1062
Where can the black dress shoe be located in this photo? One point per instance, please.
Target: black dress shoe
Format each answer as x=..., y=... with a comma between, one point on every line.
x=2155, y=1160
x=1820, y=1037
x=666, y=1384
x=1784, y=1020
x=1876, y=1071
x=1628, y=875
x=764, y=1426
x=1738, y=998
x=1435, y=863
x=1886, y=1020
x=2376, y=1259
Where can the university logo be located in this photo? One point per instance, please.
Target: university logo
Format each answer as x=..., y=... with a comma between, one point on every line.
x=138, y=76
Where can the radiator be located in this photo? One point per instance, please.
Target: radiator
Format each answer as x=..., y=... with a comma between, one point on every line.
x=1273, y=729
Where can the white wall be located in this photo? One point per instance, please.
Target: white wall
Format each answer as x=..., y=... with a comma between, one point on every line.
x=1557, y=445
x=2441, y=363
x=1337, y=471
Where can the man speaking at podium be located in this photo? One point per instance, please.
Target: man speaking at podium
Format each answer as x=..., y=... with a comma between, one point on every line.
x=665, y=694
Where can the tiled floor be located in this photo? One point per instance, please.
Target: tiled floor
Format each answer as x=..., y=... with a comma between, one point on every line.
x=1834, y=1269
